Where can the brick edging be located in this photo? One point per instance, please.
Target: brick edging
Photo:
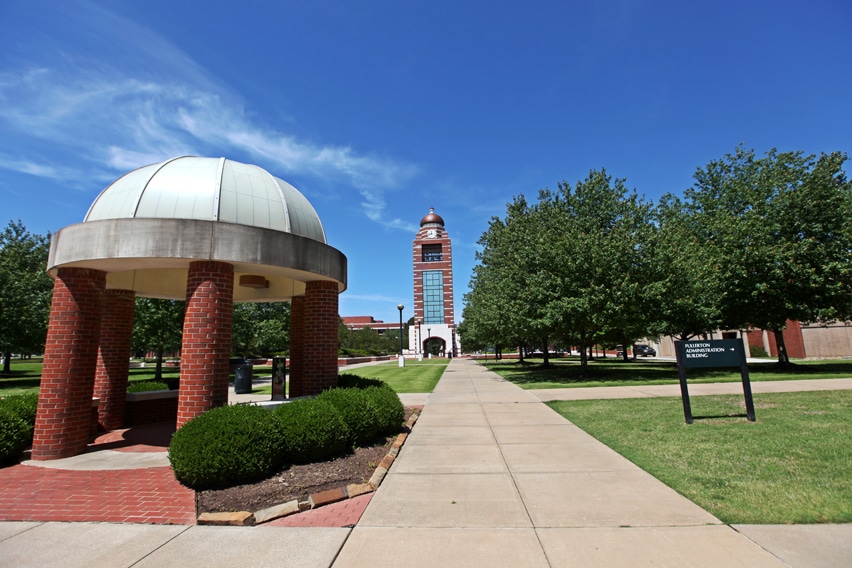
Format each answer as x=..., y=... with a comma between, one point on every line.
x=246, y=518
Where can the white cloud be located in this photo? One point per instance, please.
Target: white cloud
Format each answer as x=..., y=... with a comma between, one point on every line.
x=90, y=115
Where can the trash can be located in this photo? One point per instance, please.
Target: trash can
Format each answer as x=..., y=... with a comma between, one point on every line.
x=242, y=379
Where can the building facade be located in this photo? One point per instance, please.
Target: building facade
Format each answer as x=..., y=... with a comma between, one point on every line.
x=434, y=314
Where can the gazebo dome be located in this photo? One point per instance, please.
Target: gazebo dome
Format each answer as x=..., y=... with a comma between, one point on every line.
x=147, y=227
x=432, y=218
x=209, y=189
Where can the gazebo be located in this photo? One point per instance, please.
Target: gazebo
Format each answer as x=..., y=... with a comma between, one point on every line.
x=210, y=231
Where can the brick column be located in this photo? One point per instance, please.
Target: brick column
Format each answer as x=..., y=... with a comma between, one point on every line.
x=114, y=356
x=320, y=343
x=206, y=344
x=70, y=356
x=297, y=347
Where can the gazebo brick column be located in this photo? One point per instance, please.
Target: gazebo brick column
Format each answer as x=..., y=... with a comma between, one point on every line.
x=206, y=343
x=297, y=347
x=320, y=343
x=64, y=412
x=113, y=357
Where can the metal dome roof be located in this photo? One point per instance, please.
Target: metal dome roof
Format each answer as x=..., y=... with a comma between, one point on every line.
x=209, y=189
x=432, y=218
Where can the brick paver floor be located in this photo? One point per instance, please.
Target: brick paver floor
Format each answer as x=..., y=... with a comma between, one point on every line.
x=150, y=495
x=340, y=514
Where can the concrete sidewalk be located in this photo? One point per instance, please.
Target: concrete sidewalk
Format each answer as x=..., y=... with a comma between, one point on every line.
x=490, y=476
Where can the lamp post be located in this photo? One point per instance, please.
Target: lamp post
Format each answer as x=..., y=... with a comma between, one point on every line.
x=400, y=307
x=417, y=342
x=426, y=343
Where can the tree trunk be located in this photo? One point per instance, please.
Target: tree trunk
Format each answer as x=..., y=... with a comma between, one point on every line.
x=624, y=349
x=545, y=348
x=584, y=362
x=158, y=368
x=7, y=363
x=783, y=356
x=521, y=353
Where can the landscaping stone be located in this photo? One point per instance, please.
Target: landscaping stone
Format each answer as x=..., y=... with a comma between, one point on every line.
x=233, y=519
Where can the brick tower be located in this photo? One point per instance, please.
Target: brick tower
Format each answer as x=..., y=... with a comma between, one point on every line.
x=434, y=316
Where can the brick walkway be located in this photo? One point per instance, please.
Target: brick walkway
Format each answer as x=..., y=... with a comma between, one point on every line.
x=151, y=496
x=340, y=514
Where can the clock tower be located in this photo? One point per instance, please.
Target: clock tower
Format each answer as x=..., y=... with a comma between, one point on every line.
x=434, y=317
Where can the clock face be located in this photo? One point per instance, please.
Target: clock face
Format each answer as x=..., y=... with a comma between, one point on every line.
x=431, y=233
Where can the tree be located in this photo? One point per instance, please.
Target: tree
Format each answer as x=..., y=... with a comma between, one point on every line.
x=260, y=328
x=781, y=228
x=686, y=286
x=25, y=291
x=158, y=327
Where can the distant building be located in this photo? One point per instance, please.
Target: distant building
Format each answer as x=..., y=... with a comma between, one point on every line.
x=434, y=315
x=356, y=323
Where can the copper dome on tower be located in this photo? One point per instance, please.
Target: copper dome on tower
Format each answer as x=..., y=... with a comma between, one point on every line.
x=432, y=218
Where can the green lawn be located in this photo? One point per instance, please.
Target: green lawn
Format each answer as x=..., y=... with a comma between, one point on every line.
x=610, y=372
x=416, y=376
x=793, y=465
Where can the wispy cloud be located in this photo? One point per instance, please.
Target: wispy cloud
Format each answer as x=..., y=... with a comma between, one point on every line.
x=77, y=113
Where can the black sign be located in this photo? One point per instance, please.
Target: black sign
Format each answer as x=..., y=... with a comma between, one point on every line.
x=712, y=353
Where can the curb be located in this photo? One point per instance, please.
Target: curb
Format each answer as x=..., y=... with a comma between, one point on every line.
x=247, y=519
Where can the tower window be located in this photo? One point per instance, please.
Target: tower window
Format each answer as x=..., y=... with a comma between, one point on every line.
x=433, y=296
x=432, y=253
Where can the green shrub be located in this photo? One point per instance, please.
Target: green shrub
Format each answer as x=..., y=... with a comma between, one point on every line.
x=15, y=436
x=357, y=412
x=23, y=406
x=389, y=411
x=757, y=351
x=350, y=381
x=227, y=446
x=146, y=386
x=312, y=430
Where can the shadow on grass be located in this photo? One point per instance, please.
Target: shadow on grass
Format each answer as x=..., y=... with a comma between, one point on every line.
x=566, y=372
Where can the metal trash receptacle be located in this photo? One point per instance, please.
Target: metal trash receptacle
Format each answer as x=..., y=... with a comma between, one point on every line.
x=242, y=379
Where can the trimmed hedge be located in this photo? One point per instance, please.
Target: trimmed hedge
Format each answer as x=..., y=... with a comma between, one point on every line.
x=13, y=437
x=17, y=421
x=358, y=412
x=313, y=430
x=146, y=386
x=226, y=446
x=389, y=411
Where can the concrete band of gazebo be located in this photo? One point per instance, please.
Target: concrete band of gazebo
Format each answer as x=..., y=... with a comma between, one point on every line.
x=99, y=268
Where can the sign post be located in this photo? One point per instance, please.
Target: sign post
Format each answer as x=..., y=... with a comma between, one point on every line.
x=712, y=353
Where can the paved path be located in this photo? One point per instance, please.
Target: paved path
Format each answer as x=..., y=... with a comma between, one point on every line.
x=489, y=477
x=492, y=477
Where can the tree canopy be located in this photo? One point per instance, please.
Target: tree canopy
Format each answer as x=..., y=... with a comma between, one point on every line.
x=756, y=242
x=25, y=291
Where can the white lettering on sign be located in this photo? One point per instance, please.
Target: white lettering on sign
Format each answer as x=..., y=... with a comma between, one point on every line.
x=702, y=350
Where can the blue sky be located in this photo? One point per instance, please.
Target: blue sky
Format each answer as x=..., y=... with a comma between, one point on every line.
x=378, y=110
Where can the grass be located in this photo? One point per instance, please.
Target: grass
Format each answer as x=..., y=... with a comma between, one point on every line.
x=416, y=376
x=791, y=466
x=610, y=372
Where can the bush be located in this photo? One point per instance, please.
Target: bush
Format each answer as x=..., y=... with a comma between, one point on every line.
x=757, y=351
x=389, y=411
x=227, y=446
x=15, y=436
x=357, y=411
x=350, y=381
x=146, y=386
x=312, y=430
x=17, y=422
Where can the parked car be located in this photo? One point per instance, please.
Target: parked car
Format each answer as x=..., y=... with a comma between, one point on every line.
x=644, y=351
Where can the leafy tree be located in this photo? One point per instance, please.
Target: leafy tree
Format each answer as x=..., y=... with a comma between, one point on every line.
x=260, y=328
x=686, y=288
x=781, y=226
x=25, y=291
x=158, y=327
